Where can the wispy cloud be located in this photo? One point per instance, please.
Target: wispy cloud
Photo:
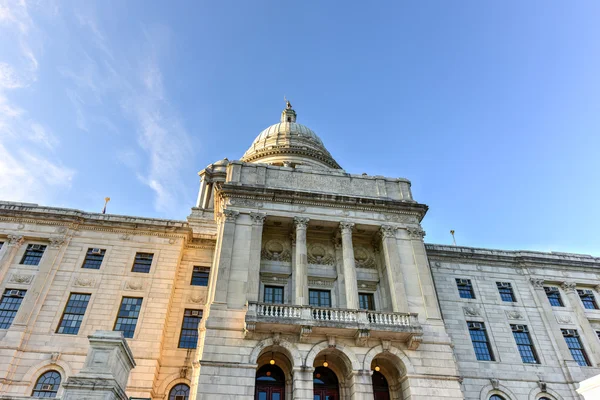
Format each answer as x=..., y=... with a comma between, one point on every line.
x=28, y=167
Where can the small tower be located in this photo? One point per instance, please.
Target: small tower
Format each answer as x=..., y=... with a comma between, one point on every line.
x=288, y=115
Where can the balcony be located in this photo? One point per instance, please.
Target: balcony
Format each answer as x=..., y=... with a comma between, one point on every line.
x=358, y=324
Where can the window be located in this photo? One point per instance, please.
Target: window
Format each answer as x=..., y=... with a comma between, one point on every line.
x=33, y=254
x=93, y=258
x=73, y=314
x=273, y=294
x=319, y=298
x=587, y=298
x=524, y=344
x=180, y=392
x=189, y=329
x=1, y=244
x=366, y=301
x=47, y=385
x=9, y=305
x=577, y=351
x=506, y=291
x=496, y=397
x=200, y=276
x=465, y=288
x=481, y=343
x=128, y=315
x=142, y=262
x=553, y=296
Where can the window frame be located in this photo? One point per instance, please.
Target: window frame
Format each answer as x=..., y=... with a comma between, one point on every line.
x=487, y=342
x=82, y=314
x=275, y=288
x=201, y=270
x=554, y=295
x=319, y=291
x=137, y=317
x=461, y=288
x=370, y=301
x=574, y=334
x=37, y=382
x=587, y=299
x=30, y=248
x=524, y=347
x=172, y=395
x=508, y=292
x=89, y=253
x=141, y=267
x=183, y=328
x=8, y=310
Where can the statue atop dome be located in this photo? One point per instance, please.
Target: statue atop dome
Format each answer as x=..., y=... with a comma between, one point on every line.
x=288, y=105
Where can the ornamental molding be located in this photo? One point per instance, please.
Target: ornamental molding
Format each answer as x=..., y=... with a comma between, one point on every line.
x=199, y=298
x=125, y=236
x=514, y=315
x=21, y=279
x=134, y=285
x=301, y=222
x=321, y=282
x=229, y=215
x=367, y=285
x=244, y=202
x=346, y=227
x=268, y=277
x=388, y=231
x=537, y=282
x=83, y=281
x=258, y=218
x=568, y=287
x=275, y=250
x=564, y=319
x=363, y=258
x=471, y=311
x=415, y=233
x=319, y=254
x=15, y=240
x=56, y=242
x=402, y=218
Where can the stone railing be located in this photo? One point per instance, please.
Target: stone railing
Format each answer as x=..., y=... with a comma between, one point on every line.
x=307, y=315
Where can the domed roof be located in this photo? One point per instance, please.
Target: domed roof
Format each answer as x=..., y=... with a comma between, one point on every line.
x=289, y=143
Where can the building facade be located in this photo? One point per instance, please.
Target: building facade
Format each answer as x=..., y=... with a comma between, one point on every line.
x=290, y=279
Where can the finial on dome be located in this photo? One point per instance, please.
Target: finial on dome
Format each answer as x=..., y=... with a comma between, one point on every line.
x=288, y=115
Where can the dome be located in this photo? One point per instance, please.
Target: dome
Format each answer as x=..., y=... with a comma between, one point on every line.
x=289, y=144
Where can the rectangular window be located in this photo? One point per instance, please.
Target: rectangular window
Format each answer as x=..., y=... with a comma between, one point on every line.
x=465, y=288
x=574, y=343
x=1, y=244
x=189, y=329
x=319, y=298
x=273, y=294
x=366, y=301
x=524, y=344
x=33, y=254
x=73, y=314
x=9, y=305
x=481, y=343
x=553, y=296
x=93, y=258
x=588, y=299
x=506, y=291
x=200, y=276
x=142, y=262
x=128, y=315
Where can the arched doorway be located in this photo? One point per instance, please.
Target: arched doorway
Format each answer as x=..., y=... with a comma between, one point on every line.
x=325, y=384
x=381, y=390
x=270, y=383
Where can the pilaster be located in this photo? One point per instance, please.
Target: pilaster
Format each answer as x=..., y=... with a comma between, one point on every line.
x=228, y=221
x=350, y=282
x=301, y=261
x=395, y=276
x=570, y=288
x=8, y=254
x=258, y=220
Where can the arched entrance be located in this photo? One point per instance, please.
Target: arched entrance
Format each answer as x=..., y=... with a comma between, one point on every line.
x=325, y=384
x=270, y=383
x=381, y=390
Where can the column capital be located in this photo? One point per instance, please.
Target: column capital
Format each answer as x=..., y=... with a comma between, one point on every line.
x=301, y=222
x=415, y=233
x=56, y=242
x=258, y=218
x=568, y=287
x=537, y=283
x=346, y=227
x=15, y=240
x=229, y=215
x=388, y=231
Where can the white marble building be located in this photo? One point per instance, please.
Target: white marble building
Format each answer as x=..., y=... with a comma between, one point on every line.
x=290, y=279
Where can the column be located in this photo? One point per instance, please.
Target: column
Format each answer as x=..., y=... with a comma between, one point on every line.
x=223, y=263
x=550, y=322
x=258, y=220
x=349, y=266
x=340, y=283
x=301, y=281
x=586, y=329
x=105, y=372
x=393, y=268
x=8, y=255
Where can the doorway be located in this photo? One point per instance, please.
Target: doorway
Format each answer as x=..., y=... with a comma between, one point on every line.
x=325, y=384
x=381, y=389
x=270, y=383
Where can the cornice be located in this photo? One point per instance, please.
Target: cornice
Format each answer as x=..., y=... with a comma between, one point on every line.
x=307, y=152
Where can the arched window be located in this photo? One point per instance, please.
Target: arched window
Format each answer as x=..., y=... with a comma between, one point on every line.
x=47, y=385
x=180, y=391
x=496, y=397
x=543, y=398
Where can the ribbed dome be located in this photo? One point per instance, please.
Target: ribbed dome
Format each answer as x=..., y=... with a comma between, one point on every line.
x=289, y=143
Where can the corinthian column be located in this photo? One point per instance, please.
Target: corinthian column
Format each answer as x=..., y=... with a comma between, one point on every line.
x=393, y=268
x=587, y=331
x=349, y=266
x=8, y=255
x=301, y=270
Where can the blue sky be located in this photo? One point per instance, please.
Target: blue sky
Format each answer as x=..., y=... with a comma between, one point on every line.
x=491, y=109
